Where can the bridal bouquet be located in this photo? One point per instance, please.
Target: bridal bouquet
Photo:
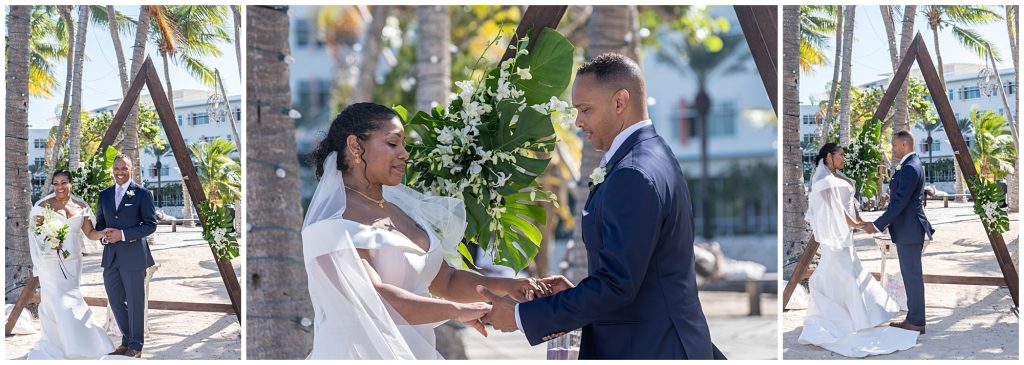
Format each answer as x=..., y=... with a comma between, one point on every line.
x=51, y=235
x=863, y=158
x=490, y=144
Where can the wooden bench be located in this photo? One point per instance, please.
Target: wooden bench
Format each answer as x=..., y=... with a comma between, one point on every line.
x=755, y=288
x=945, y=199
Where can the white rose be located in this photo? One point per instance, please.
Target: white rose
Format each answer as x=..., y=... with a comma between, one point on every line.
x=598, y=175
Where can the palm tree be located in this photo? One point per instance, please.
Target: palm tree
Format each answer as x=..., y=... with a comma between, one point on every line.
x=901, y=112
x=371, y=42
x=17, y=263
x=844, y=89
x=836, y=12
x=433, y=74
x=794, y=202
x=130, y=142
x=960, y=19
x=1012, y=29
x=76, y=97
x=277, y=303
x=64, y=12
x=816, y=22
x=236, y=13
x=966, y=127
x=993, y=150
x=159, y=151
x=219, y=172
x=930, y=126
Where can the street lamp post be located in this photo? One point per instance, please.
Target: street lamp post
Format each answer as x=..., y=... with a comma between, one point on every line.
x=159, y=190
x=931, y=163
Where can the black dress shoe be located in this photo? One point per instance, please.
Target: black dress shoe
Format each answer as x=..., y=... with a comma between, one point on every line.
x=908, y=326
x=119, y=351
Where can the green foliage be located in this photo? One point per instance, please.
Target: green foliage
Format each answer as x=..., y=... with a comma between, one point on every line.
x=863, y=158
x=993, y=150
x=219, y=172
x=489, y=146
x=218, y=229
x=989, y=204
x=93, y=176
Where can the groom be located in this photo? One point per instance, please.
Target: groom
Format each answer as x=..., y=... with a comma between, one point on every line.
x=640, y=298
x=907, y=225
x=126, y=215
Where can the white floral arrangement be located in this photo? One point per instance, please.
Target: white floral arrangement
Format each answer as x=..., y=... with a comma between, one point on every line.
x=51, y=234
x=490, y=144
x=988, y=199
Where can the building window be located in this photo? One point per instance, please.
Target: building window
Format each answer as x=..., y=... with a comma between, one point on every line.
x=807, y=139
x=935, y=146
x=1011, y=88
x=323, y=93
x=305, y=94
x=39, y=143
x=200, y=119
x=302, y=32
x=238, y=113
x=950, y=93
x=39, y=161
x=808, y=119
x=971, y=92
x=179, y=120
x=722, y=120
x=164, y=171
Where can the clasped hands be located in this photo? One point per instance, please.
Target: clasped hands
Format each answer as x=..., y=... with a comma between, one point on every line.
x=868, y=227
x=502, y=312
x=112, y=235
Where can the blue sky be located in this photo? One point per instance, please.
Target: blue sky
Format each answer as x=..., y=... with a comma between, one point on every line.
x=871, y=51
x=100, y=80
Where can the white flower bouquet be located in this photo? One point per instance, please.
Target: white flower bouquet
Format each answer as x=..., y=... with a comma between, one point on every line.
x=51, y=234
x=490, y=144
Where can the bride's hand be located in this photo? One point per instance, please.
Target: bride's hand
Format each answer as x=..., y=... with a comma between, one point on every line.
x=527, y=289
x=470, y=313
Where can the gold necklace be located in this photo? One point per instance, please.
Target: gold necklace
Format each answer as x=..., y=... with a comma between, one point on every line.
x=380, y=203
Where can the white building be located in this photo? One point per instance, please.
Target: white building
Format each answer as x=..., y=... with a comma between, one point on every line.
x=964, y=94
x=195, y=125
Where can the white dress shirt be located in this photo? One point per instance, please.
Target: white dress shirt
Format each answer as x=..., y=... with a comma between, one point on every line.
x=616, y=143
x=124, y=189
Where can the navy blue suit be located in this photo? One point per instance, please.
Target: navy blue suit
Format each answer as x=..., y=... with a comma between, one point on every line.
x=125, y=262
x=908, y=227
x=640, y=298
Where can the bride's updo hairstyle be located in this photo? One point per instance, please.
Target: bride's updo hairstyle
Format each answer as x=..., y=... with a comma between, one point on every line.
x=64, y=173
x=825, y=150
x=358, y=119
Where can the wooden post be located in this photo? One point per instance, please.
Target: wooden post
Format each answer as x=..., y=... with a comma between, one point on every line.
x=23, y=300
x=535, y=19
x=800, y=272
x=760, y=25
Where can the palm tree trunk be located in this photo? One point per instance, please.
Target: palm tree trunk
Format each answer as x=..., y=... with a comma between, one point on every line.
x=276, y=282
x=934, y=25
x=17, y=262
x=130, y=143
x=76, y=97
x=902, y=118
x=1013, y=30
x=122, y=68
x=371, y=54
x=433, y=61
x=901, y=110
x=62, y=124
x=844, y=97
x=237, y=12
x=795, y=203
x=433, y=74
x=829, y=113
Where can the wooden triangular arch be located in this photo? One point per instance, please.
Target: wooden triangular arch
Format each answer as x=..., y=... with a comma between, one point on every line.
x=918, y=51
x=149, y=77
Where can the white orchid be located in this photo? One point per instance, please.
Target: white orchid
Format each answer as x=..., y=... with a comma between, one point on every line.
x=524, y=73
x=597, y=177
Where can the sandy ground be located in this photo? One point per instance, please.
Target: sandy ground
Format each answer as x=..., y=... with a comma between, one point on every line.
x=964, y=322
x=187, y=273
x=738, y=336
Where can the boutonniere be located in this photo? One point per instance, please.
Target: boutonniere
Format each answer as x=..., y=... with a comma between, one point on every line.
x=597, y=177
x=130, y=193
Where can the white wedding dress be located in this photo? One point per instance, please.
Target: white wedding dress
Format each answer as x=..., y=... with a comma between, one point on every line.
x=847, y=304
x=350, y=320
x=69, y=330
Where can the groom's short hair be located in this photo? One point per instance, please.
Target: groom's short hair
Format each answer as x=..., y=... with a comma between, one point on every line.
x=619, y=72
x=905, y=136
x=127, y=160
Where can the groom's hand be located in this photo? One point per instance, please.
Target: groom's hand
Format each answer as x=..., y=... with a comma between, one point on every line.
x=503, y=310
x=557, y=283
x=113, y=235
x=869, y=227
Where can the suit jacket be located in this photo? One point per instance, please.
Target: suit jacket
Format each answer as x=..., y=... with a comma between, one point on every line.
x=905, y=215
x=640, y=298
x=136, y=218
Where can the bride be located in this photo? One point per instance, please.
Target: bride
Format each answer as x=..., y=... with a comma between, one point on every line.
x=68, y=329
x=846, y=303
x=381, y=258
